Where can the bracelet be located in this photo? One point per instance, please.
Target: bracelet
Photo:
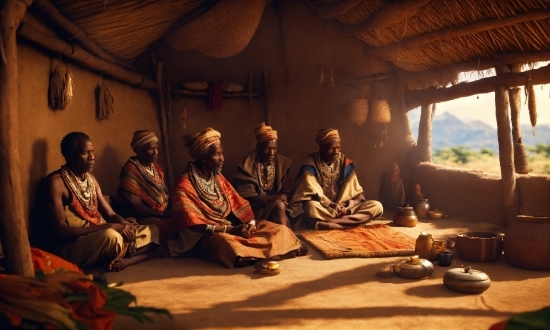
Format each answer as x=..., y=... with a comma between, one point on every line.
x=224, y=228
x=213, y=229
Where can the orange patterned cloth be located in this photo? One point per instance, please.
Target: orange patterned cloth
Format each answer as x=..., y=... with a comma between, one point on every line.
x=370, y=241
x=188, y=209
x=150, y=190
x=49, y=263
x=92, y=216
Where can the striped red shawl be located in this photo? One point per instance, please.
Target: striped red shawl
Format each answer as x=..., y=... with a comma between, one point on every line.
x=189, y=210
x=139, y=184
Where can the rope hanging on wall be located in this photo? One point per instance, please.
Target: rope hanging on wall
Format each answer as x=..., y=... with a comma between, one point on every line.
x=61, y=86
x=105, y=102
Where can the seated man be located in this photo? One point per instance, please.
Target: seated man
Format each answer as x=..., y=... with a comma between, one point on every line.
x=212, y=220
x=327, y=190
x=142, y=193
x=263, y=178
x=86, y=230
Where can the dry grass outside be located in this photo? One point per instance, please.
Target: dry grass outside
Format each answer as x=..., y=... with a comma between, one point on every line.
x=538, y=163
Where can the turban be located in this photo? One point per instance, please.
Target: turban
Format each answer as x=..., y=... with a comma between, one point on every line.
x=141, y=138
x=327, y=135
x=264, y=133
x=203, y=141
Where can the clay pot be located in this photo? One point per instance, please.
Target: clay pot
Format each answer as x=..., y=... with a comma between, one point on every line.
x=527, y=243
x=405, y=217
x=414, y=268
x=479, y=246
x=422, y=208
x=425, y=247
x=466, y=280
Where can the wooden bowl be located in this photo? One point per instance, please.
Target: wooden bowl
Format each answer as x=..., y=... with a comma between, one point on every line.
x=435, y=214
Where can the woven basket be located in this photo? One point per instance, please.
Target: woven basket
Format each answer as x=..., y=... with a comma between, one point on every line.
x=224, y=30
x=358, y=110
x=379, y=112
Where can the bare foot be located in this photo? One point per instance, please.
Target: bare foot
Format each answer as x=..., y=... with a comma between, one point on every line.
x=302, y=251
x=118, y=264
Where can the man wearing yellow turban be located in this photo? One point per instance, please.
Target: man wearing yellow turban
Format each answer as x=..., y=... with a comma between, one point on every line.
x=263, y=178
x=328, y=194
x=212, y=220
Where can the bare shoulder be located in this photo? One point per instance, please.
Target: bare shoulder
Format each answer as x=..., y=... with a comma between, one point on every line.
x=55, y=186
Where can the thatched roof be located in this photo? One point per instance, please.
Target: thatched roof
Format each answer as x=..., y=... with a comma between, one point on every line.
x=414, y=35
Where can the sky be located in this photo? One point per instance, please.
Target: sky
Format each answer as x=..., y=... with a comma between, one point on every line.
x=482, y=107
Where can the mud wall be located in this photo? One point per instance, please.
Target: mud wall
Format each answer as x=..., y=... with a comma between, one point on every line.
x=41, y=128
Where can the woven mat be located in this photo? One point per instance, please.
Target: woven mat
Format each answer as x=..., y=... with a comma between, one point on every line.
x=371, y=241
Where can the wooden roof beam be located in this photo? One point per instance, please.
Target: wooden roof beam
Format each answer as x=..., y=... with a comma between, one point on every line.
x=339, y=8
x=453, y=32
x=481, y=64
x=83, y=57
x=415, y=98
x=389, y=14
x=49, y=9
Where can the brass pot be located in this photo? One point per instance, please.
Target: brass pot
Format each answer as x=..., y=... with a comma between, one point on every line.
x=405, y=217
x=414, y=268
x=466, y=280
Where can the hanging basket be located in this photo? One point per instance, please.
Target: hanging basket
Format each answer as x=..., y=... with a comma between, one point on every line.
x=358, y=110
x=379, y=112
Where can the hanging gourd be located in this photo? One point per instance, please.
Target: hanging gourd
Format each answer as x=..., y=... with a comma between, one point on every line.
x=105, y=102
x=61, y=87
x=531, y=103
x=380, y=116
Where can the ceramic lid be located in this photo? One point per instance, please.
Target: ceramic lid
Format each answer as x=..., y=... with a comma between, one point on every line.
x=467, y=274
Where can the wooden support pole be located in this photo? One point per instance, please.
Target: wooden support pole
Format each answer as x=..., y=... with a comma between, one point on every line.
x=520, y=156
x=164, y=125
x=416, y=98
x=49, y=9
x=424, y=145
x=506, y=155
x=423, y=39
x=83, y=57
x=13, y=225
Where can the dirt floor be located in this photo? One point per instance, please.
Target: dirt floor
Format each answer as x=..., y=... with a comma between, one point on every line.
x=314, y=293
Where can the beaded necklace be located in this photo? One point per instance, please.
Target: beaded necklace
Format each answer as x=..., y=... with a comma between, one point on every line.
x=329, y=173
x=266, y=175
x=150, y=172
x=208, y=189
x=84, y=190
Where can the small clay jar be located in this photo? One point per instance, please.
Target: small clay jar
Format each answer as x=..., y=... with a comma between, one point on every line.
x=422, y=208
x=405, y=217
x=424, y=247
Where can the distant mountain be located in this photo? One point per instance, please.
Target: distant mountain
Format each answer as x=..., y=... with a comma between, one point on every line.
x=450, y=131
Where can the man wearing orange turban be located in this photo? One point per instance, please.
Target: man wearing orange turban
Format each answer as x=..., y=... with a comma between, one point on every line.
x=328, y=194
x=263, y=178
x=212, y=220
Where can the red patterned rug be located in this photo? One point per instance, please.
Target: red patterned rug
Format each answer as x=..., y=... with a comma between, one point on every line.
x=371, y=241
